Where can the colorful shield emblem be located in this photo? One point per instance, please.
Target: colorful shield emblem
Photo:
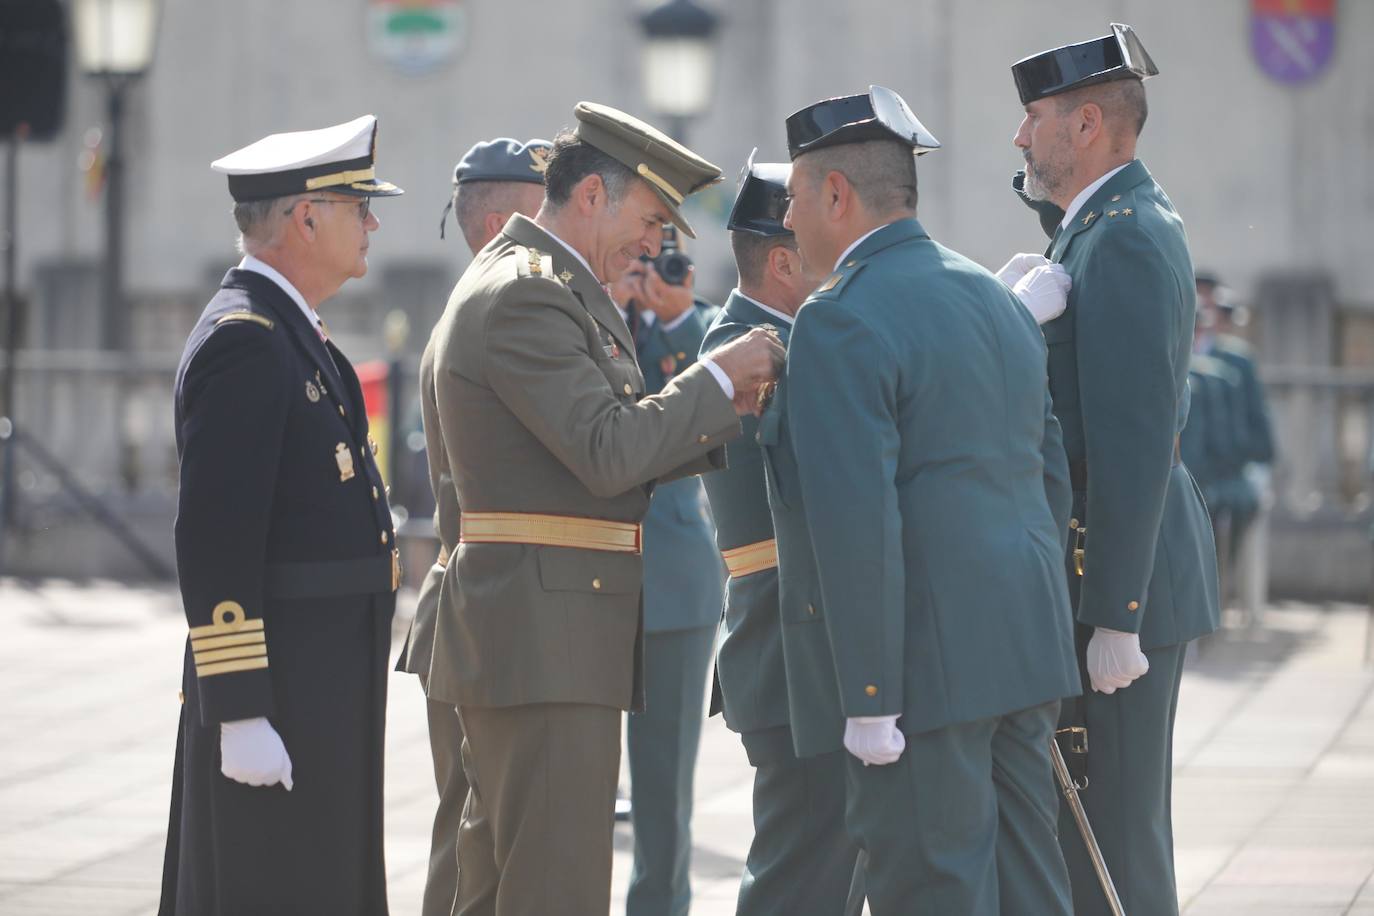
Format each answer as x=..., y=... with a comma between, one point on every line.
x=1293, y=40
x=416, y=36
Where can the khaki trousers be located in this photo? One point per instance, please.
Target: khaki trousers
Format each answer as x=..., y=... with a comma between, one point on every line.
x=536, y=833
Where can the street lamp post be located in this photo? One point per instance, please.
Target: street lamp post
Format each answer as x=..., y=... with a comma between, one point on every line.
x=679, y=61
x=114, y=41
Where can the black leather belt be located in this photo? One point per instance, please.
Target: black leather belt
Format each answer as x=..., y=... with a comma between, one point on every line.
x=329, y=578
x=1078, y=470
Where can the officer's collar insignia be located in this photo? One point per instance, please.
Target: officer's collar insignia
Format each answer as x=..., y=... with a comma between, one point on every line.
x=1087, y=220
x=536, y=269
x=566, y=276
x=830, y=283
x=312, y=393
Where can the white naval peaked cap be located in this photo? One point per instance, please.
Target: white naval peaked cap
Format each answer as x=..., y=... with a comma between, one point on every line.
x=341, y=158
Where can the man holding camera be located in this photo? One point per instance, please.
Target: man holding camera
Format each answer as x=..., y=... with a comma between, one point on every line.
x=683, y=591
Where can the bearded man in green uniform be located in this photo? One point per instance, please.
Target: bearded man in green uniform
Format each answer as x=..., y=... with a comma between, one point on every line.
x=1144, y=580
x=920, y=496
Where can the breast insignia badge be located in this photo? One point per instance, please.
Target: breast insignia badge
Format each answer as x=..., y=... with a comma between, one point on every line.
x=344, y=456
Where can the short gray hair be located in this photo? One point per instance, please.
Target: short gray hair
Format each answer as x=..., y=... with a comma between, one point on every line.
x=260, y=221
x=882, y=172
x=1122, y=102
x=473, y=200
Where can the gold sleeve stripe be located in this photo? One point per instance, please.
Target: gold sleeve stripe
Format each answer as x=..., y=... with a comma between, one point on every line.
x=223, y=655
x=242, y=664
x=552, y=530
x=226, y=629
x=224, y=642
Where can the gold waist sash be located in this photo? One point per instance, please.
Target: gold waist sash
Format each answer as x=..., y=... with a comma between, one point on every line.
x=751, y=558
x=550, y=530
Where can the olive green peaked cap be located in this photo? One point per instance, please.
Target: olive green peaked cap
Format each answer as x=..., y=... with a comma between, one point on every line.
x=671, y=169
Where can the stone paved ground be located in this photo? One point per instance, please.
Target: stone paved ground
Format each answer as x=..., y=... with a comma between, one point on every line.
x=1274, y=786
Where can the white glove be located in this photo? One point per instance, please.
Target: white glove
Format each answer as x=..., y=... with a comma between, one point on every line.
x=1020, y=265
x=1044, y=291
x=251, y=752
x=1114, y=660
x=874, y=739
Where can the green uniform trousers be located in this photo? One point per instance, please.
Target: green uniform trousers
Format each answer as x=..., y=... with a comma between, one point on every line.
x=662, y=743
x=445, y=743
x=1129, y=797
x=801, y=862
x=964, y=822
x=536, y=833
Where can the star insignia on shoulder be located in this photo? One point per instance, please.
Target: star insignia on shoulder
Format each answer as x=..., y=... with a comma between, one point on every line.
x=1089, y=218
x=1115, y=198
x=566, y=276
x=1112, y=212
x=1127, y=212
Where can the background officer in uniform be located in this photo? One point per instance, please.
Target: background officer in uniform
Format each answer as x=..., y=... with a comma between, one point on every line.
x=683, y=588
x=1142, y=566
x=285, y=554
x=802, y=859
x=493, y=180
x=915, y=437
x=553, y=448
x=1240, y=489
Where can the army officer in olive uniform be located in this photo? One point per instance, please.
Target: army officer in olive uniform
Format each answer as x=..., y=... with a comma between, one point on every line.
x=286, y=557
x=553, y=450
x=801, y=859
x=1142, y=567
x=493, y=180
x=913, y=436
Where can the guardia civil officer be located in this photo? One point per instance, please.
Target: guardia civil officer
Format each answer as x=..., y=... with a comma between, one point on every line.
x=553, y=448
x=920, y=494
x=285, y=554
x=1141, y=566
x=801, y=859
x=683, y=585
x=493, y=180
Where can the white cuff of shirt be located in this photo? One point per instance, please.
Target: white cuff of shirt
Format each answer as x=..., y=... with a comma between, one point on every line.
x=725, y=384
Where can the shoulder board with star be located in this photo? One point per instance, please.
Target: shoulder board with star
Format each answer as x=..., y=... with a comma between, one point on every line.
x=833, y=285
x=1118, y=207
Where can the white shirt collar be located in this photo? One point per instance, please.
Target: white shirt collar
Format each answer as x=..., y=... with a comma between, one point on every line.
x=575, y=253
x=1084, y=194
x=857, y=242
x=774, y=312
x=267, y=270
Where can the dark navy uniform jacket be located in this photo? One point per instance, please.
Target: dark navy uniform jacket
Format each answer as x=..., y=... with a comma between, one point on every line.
x=285, y=557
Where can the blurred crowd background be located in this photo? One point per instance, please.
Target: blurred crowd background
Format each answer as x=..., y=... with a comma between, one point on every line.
x=116, y=231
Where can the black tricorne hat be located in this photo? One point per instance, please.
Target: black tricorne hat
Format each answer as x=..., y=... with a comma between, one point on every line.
x=761, y=202
x=1117, y=56
x=879, y=114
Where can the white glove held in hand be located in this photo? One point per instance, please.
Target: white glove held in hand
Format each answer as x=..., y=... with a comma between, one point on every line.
x=1020, y=265
x=251, y=752
x=1044, y=291
x=874, y=739
x=1114, y=660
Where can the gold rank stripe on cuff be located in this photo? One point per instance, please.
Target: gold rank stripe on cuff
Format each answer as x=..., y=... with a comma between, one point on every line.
x=234, y=642
x=751, y=558
x=550, y=530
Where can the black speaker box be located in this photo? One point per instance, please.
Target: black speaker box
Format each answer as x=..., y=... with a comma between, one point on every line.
x=33, y=67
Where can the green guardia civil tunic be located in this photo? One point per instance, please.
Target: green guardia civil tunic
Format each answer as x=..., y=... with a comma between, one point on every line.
x=1118, y=367
x=801, y=859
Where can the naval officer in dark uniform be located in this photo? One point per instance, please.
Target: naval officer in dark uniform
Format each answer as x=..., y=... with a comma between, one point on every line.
x=1144, y=581
x=285, y=554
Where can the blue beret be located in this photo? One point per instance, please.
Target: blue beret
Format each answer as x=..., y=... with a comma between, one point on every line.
x=504, y=159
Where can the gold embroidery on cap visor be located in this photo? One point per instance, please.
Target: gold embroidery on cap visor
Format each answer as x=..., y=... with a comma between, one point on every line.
x=325, y=181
